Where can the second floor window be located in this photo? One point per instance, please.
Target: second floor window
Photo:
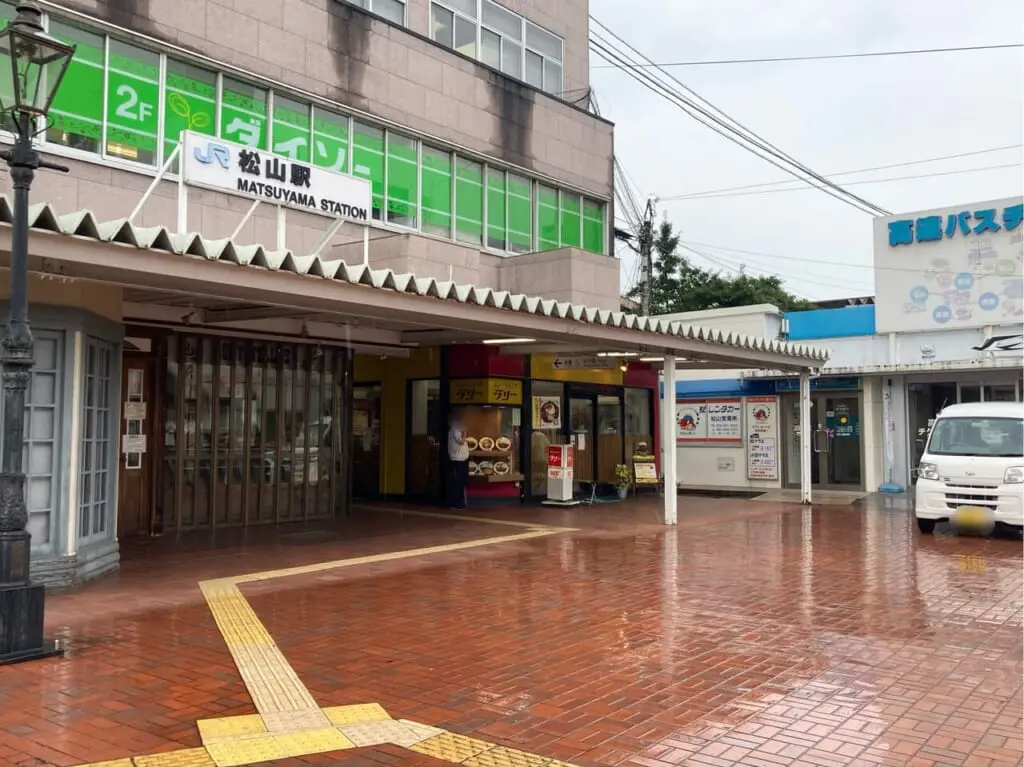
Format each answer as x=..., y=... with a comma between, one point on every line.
x=392, y=10
x=486, y=31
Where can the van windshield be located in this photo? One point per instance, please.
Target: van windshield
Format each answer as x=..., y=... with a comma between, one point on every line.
x=985, y=437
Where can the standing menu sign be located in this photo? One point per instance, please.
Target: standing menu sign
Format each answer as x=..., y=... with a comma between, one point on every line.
x=762, y=438
x=560, y=472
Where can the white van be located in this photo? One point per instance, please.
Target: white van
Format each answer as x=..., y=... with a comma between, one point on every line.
x=973, y=465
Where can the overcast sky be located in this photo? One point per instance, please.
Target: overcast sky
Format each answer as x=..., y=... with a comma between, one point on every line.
x=832, y=115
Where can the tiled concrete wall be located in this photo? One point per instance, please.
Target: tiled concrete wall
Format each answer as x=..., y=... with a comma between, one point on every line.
x=567, y=274
x=340, y=53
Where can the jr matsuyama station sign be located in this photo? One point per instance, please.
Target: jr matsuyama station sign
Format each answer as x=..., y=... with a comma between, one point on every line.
x=213, y=163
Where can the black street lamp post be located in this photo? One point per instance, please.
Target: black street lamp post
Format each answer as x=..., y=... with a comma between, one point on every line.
x=32, y=65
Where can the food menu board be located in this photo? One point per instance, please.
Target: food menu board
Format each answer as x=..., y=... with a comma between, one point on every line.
x=709, y=422
x=762, y=419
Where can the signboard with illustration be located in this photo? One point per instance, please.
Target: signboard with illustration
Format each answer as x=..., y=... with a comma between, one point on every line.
x=959, y=267
x=547, y=413
x=762, y=425
x=709, y=422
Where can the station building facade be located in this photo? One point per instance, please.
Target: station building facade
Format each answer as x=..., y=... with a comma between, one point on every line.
x=152, y=415
x=944, y=327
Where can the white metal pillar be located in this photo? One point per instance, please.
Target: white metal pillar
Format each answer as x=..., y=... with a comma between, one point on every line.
x=805, y=436
x=668, y=438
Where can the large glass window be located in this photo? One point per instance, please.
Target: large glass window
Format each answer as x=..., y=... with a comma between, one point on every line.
x=330, y=141
x=133, y=96
x=639, y=435
x=291, y=129
x=403, y=183
x=437, y=192
x=425, y=439
x=547, y=218
x=497, y=203
x=243, y=114
x=593, y=226
x=520, y=214
x=368, y=161
x=469, y=210
x=76, y=115
x=392, y=10
x=94, y=505
x=190, y=102
x=507, y=41
x=569, y=219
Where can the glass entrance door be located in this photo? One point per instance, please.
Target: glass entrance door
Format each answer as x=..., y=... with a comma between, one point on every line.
x=581, y=436
x=835, y=441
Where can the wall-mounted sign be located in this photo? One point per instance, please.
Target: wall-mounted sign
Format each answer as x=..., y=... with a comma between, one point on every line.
x=485, y=391
x=547, y=413
x=950, y=268
x=135, y=411
x=585, y=362
x=762, y=424
x=239, y=169
x=1002, y=343
x=709, y=422
x=133, y=443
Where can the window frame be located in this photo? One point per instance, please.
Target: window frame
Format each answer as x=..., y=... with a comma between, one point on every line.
x=550, y=88
x=367, y=5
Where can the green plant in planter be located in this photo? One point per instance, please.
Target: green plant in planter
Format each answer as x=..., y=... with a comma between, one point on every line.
x=623, y=477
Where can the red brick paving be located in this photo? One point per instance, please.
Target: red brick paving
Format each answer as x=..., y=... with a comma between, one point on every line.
x=753, y=634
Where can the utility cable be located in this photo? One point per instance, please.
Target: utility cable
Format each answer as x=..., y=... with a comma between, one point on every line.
x=845, y=172
x=823, y=57
x=737, y=126
x=737, y=133
x=937, y=174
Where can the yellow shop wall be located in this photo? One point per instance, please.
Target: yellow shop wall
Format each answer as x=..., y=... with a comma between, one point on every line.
x=393, y=373
x=541, y=369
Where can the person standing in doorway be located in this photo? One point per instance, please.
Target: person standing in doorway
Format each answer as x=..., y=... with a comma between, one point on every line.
x=458, y=459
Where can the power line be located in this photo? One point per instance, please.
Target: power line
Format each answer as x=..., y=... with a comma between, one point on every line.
x=847, y=172
x=686, y=197
x=823, y=57
x=735, y=131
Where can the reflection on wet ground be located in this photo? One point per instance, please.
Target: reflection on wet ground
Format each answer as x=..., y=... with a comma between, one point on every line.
x=752, y=634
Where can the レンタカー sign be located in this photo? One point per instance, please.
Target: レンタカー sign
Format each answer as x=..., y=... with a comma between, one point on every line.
x=709, y=422
x=217, y=164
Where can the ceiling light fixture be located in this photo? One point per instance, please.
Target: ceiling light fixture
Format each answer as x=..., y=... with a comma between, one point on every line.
x=502, y=341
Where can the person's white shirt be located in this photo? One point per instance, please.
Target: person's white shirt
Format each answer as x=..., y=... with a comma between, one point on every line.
x=458, y=450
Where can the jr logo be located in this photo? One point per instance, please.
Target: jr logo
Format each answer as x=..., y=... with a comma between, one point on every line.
x=213, y=152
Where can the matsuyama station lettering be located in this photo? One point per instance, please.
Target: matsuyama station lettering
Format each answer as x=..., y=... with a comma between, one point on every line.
x=229, y=167
x=904, y=231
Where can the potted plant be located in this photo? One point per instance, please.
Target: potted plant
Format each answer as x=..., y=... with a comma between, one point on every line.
x=623, y=480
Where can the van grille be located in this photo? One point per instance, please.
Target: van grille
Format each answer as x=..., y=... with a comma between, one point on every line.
x=986, y=496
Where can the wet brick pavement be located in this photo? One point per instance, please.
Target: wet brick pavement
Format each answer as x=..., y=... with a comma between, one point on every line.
x=753, y=634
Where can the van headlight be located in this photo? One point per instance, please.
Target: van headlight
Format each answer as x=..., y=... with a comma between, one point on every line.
x=928, y=471
x=1014, y=475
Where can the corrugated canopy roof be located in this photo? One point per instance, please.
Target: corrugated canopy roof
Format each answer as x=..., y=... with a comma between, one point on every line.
x=83, y=224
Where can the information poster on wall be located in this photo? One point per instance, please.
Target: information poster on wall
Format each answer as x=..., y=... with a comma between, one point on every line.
x=709, y=422
x=762, y=423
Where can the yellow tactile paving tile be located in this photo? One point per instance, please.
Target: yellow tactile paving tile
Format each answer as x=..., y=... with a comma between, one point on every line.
x=356, y=713
x=245, y=752
x=313, y=742
x=189, y=757
x=230, y=728
x=450, y=747
x=500, y=756
x=366, y=734
x=296, y=721
x=111, y=763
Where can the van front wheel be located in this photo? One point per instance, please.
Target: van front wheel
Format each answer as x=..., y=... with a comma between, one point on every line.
x=926, y=525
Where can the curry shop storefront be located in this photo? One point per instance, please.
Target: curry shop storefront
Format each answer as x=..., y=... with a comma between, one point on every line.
x=185, y=384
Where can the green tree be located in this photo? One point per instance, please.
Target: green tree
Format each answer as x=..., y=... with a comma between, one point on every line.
x=679, y=286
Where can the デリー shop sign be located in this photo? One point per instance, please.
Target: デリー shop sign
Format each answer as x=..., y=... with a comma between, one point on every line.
x=238, y=169
x=485, y=391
